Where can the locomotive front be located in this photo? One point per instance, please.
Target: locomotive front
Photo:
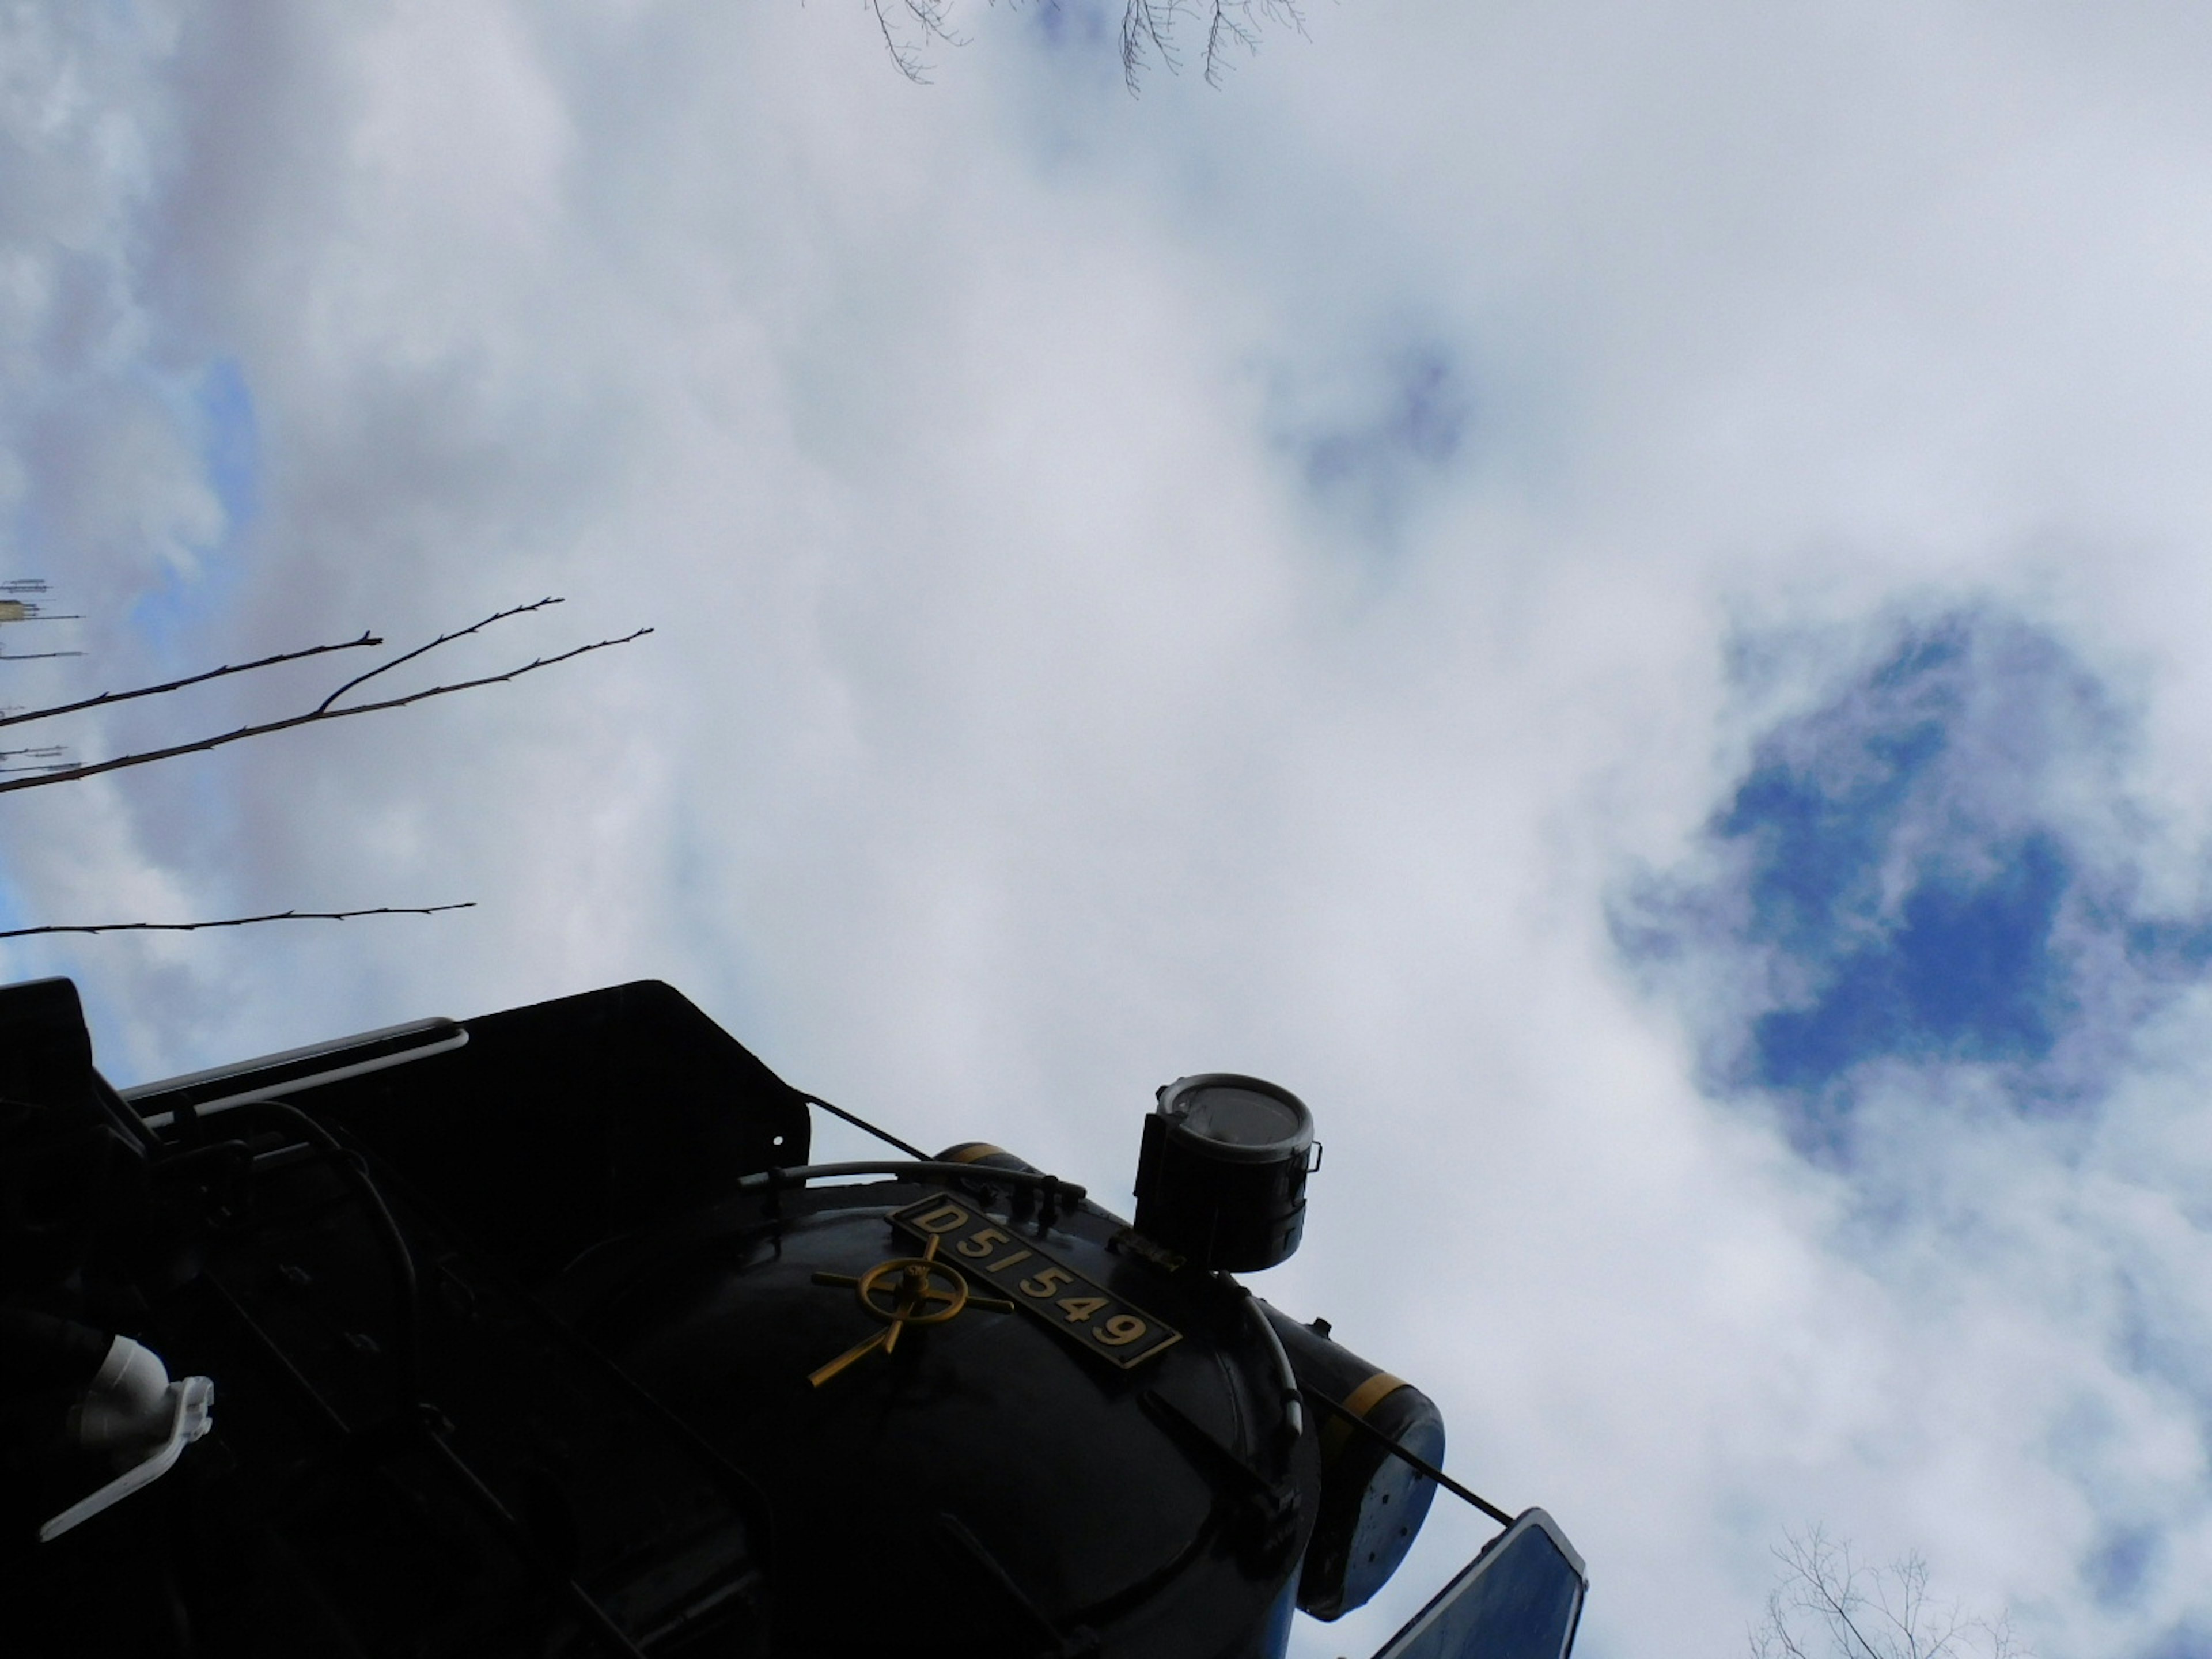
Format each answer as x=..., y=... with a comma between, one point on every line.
x=538, y=1333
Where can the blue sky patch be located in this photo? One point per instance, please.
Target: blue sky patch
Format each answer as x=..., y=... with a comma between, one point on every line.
x=1965, y=972
x=1367, y=438
x=1933, y=867
x=218, y=412
x=230, y=441
x=2184, y=1641
x=2118, y=1567
x=1422, y=416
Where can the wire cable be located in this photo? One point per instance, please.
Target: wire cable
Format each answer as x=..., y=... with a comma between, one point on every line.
x=860, y=1122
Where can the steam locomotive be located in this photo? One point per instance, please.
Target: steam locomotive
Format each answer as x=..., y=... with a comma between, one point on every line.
x=538, y=1334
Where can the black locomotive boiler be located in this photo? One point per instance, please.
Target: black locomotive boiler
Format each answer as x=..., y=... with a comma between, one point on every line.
x=538, y=1334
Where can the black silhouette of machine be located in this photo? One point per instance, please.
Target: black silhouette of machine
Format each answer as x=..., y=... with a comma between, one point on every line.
x=536, y=1335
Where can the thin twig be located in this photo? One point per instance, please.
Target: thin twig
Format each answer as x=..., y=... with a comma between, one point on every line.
x=932, y=21
x=105, y=697
x=908, y=64
x=1149, y=25
x=322, y=713
x=1141, y=23
x=240, y=921
x=1840, y=1609
x=442, y=639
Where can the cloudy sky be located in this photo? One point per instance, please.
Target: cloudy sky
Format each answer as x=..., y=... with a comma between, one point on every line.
x=1615, y=594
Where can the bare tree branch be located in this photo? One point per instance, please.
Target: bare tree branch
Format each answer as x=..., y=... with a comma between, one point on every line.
x=1148, y=27
x=1839, y=1608
x=238, y=921
x=321, y=713
x=41, y=757
x=442, y=639
x=1826, y=1592
x=1148, y=23
x=53, y=764
x=933, y=21
x=106, y=698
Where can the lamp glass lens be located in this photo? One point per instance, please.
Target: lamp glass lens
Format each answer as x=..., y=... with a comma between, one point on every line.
x=1241, y=1117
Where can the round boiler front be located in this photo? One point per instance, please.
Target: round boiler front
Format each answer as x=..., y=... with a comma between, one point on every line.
x=971, y=1437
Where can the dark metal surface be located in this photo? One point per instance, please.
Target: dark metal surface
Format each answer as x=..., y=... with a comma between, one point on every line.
x=999, y=1431
x=537, y=1337
x=1522, y=1598
x=1221, y=1174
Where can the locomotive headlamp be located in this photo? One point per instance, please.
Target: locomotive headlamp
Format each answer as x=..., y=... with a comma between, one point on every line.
x=1221, y=1179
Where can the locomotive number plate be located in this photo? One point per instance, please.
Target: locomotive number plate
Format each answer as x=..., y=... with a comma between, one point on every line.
x=1048, y=1290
